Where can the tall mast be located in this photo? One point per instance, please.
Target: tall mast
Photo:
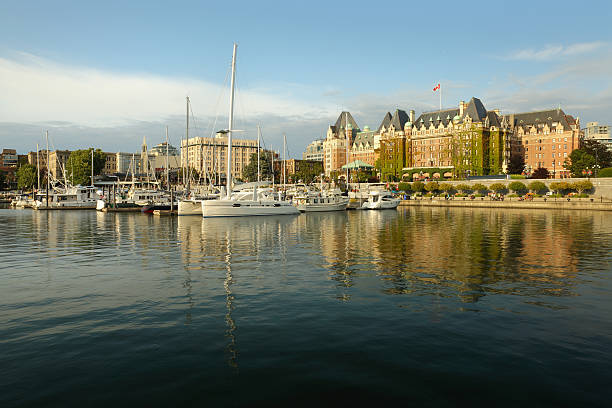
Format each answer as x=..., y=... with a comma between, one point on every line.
x=272, y=152
x=48, y=175
x=258, y=138
x=187, y=141
x=231, y=125
x=92, y=181
x=347, y=152
x=284, y=162
x=37, y=168
x=167, y=166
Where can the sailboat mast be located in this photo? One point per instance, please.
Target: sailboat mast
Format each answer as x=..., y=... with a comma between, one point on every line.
x=347, y=147
x=167, y=165
x=231, y=125
x=272, y=153
x=37, y=169
x=92, y=180
x=48, y=175
x=284, y=162
x=258, y=138
x=187, y=154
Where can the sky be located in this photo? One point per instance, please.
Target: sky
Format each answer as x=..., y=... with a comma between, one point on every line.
x=108, y=74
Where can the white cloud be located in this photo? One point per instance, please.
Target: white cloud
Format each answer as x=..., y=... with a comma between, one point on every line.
x=35, y=89
x=554, y=51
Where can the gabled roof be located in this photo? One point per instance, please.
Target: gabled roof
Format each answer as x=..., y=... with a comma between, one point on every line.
x=385, y=122
x=476, y=110
x=427, y=118
x=399, y=119
x=540, y=117
x=344, y=118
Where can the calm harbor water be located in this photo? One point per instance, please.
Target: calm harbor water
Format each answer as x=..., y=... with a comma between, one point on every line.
x=425, y=307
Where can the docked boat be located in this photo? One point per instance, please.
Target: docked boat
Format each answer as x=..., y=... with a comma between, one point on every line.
x=380, y=200
x=23, y=201
x=257, y=202
x=320, y=201
x=76, y=198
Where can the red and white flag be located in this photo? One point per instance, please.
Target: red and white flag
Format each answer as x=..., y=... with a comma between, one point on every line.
x=436, y=87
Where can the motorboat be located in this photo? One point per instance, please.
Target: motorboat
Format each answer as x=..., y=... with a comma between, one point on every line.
x=313, y=201
x=249, y=203
x=76, y=197
x=380, y=200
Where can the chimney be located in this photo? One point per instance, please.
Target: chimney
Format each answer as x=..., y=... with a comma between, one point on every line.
x=461, y=108
x=412, y=115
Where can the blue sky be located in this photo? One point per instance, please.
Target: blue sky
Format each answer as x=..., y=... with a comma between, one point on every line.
x=108, y=73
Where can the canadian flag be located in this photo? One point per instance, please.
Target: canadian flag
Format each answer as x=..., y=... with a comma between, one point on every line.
x=436, y=87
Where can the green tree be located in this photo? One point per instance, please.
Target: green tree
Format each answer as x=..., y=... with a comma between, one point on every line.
x=537, y=186
x=404, y=187
x=498, y=187
x=516, y=165
x=540, y=173
x=78, y=166
x=582, y=185
x=464, y=188
x=417, y=186
x=603, y=157
x=578, y=161
x=517, y=187
x=607, y=172
x=431, y=186
x=481, y=188
x=446, y=187
x=26, y=176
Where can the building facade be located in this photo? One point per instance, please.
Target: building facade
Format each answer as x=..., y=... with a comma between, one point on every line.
x=336, y=145
x=599, y=133
x=209, y=155
x=546, y=139
x=362, y=147
x=8, y=158
x=314, y=151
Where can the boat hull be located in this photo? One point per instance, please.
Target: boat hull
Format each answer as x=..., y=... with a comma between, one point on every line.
x=190, y=207
x=323, y=207
x=246, y=208
x=381, y=205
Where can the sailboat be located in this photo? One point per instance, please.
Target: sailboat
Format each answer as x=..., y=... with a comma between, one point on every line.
x=244, y=203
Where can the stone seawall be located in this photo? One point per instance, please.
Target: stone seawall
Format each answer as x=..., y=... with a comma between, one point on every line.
x=598, y=204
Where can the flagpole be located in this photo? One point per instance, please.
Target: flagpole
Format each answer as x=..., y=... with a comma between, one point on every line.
x=440, y=98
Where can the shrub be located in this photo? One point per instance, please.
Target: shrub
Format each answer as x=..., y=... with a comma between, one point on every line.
x=517, y=187
x=481, y=188
x=404, y=187
x=540, y=173
x=417, y=186
x=607, y=172
x=582, y=186
x=537, y=186
x=464, y=188
x=517, y=177
x=498, y=187
x=431, y=186
x=446, y=187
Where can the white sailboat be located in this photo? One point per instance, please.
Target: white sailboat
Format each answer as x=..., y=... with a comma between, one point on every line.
x=244, y=203
x=322, y=200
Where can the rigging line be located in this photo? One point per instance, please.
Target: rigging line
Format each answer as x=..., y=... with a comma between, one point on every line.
x=221, y=93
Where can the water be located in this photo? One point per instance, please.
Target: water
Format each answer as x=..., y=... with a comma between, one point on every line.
x=435, y=307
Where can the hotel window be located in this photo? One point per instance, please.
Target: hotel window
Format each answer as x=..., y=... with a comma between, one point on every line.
x=565, y=146
x=564, y=154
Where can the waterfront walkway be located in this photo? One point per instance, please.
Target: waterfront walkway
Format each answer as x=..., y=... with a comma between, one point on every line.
x=598, y=204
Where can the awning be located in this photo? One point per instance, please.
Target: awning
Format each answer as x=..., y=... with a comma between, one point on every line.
x=357, y=164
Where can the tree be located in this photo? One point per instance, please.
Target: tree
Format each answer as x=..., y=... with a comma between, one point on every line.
x=446, y=187
x=481, y=188
x=2, y=179
x=417, y=186
x=607, y=172
x=431, y=186
x=498, y=187
x=26, y=176
x=404, y=187
x=582, y=185
x=578, y=161
x=464, y=188
x=78, y=166
x=516, y=165
x=537, y=186
x=540, y=173
x=603, y=157
x=249, y=173
x=517, y=187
